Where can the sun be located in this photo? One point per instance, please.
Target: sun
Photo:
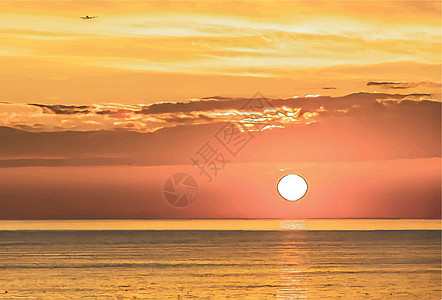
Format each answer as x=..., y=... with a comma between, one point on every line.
x=292, y=187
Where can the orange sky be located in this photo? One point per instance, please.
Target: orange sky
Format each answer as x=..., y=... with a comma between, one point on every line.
x=96, y=114
x=142, y=52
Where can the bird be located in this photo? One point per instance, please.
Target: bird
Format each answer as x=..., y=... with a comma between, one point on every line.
x=87, y=17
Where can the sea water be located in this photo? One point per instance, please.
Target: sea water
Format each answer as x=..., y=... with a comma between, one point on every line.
x=218, y=264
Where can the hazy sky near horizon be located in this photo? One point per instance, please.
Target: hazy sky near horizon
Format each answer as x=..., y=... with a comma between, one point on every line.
x=146, y=51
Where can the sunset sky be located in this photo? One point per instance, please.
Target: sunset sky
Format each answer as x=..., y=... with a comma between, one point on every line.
x=145, y=51
x=96, y=114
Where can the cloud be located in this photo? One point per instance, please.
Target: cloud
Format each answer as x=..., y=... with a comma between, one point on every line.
x=63, y=109
x=404, y=85
x=267, y=113
x=360, y=126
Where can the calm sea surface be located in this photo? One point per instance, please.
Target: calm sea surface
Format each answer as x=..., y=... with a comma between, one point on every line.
x=199, y=264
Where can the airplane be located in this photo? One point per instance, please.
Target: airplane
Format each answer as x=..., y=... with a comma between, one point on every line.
x=87, y=18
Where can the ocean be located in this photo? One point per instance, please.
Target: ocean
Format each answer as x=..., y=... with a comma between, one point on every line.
x=289, y=263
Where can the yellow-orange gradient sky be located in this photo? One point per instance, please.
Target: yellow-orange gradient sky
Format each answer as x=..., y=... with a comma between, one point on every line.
x=145, y=51
x=96, y=114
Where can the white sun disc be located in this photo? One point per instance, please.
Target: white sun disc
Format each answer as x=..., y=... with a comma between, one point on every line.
x=292, y=187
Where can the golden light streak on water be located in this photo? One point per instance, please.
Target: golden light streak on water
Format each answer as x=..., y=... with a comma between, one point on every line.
x=224, y=224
